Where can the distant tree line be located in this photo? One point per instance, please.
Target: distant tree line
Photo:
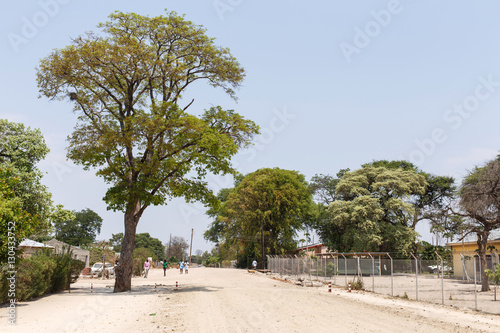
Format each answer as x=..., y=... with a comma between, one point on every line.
x=375, y=208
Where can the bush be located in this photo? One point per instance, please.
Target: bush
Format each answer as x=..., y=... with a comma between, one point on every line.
x=356, y=284
x=34, y=276
x=4, y=286
x=330, y=269
x=41, y=274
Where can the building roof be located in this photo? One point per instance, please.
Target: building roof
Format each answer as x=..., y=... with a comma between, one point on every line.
x=310, y=246
x=31, y=243
x=490, y=241
x=59, y=245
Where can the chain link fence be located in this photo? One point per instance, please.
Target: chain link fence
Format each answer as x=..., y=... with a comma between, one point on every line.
x=423, y=280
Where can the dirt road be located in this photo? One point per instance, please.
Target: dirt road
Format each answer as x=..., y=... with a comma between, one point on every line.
x=224, y=300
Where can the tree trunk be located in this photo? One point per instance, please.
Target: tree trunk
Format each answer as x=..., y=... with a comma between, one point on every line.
x=482, y=242
x=123, y=272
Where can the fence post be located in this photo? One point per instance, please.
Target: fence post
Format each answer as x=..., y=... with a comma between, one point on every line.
x=317, y=268
x=442, y=278
x=480, y=275
x=392, y=281
x=416, y=274
x=463, y=267
x=358, y=270
x=325, y=268
x=297, y=267
x=373, y=272
x=475, y=286
x=345, y=267
x=310, y=263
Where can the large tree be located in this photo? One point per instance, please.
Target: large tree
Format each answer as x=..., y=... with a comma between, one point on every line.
x=80, y=230
x=177, y=248
x=126, y=84
x=373, y=211
x=154, y=244
x=21, y=148
x=263, y=213
x=480, y=204
x=429, y=205
x=15, y=222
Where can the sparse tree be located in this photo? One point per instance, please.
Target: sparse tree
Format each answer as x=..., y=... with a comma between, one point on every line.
x=126, y=85
x=178, y=248
x=480, y=203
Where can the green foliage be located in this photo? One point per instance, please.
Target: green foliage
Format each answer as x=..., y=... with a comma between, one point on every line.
x=35, y=275
x=428, y=251
x=21, y=149
x=126, y=84
x=268, y=203
x=429, y=205
x=324, y=186
x=15, y=223
x=144, y=240
x=66, y=270
x=480, y=202
x=80, y=230
x=25, y=203
x=127, y=80
x=173, y=260
x=116, y=241
x=41, y=274
x=100, y=249
x=372, y=211
x=494, y=276
x=330, y=269
x=140, y=256
x=196, y=259
x=356, y=284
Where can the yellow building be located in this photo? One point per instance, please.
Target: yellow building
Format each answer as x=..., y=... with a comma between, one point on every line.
x=464, y=252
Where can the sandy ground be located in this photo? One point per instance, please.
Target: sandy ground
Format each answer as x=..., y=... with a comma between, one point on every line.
x=225, y=300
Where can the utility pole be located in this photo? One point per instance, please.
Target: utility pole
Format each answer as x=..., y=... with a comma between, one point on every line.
x=169, y=245
x=191, y=246
x=262, y=235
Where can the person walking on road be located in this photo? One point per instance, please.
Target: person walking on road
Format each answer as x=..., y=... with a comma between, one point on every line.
x=186, y=267
x=165, y=267
x=146, y=268
x=181, y=266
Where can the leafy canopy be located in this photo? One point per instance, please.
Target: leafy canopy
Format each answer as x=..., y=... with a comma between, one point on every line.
x=80, y=229
x=373, y=211
x=15, y=223
x=21, y=148
x=127, y=84
x=144, y=240
x=268, y=203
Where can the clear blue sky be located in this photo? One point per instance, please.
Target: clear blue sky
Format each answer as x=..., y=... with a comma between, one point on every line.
x=333, y=84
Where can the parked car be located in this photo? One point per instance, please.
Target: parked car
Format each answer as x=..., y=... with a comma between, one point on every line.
x=437, y=269
x=97, y=268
